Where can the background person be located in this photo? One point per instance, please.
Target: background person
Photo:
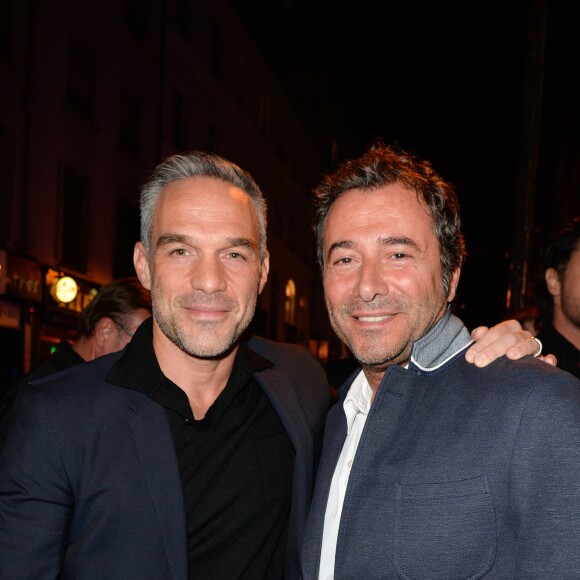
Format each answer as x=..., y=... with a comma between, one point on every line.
x=106, y=325
x=557, y=291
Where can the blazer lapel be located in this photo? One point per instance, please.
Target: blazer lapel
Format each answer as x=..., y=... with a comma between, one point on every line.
x=156, y=451
x=283, y=397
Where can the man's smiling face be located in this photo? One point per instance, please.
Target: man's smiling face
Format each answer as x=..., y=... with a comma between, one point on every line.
x=382, y=273
x=204, y=270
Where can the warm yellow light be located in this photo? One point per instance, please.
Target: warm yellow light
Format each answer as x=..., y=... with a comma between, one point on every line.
x=65, y=289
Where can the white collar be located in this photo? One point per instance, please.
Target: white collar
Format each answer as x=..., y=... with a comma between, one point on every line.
x=358, y=399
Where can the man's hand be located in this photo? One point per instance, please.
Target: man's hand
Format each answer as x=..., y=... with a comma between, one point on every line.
x=507, y=338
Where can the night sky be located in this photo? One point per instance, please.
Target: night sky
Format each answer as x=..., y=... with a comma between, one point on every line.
x=444, y=80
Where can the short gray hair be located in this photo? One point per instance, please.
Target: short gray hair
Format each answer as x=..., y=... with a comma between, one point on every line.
x=198, y=164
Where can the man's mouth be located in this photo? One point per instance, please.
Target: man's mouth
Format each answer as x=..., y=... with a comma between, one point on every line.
x=372, y=318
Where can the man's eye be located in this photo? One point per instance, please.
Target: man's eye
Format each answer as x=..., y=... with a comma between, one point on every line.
x=179, y=252
x=236, y=256
x=340, y=261
x=399, y=256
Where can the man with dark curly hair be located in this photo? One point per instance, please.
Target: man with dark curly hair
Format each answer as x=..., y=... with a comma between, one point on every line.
x=557, y=292
x=430, y=468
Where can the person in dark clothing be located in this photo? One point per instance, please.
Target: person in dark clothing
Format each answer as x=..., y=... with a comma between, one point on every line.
x=557, y=292
x=105, y=325
x=192, y=452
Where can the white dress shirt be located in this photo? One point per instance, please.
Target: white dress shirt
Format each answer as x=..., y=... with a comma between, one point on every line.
x=356, y=408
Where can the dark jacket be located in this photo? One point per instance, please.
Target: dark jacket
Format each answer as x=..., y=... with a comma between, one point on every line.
x=567, y=354
x=89, y=482
x=62, y=358
x=460, y=472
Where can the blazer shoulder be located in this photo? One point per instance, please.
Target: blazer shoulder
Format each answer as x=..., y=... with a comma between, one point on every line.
x=525, y=380
x=302, y=369
x=83, y=382
x=288, y=356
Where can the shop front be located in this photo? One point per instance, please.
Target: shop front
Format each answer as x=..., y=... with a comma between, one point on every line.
x=39, y=306
x=21, y=287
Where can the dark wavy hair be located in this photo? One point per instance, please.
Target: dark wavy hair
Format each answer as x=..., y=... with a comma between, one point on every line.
x=383, y=165
x=117, y=301
x=556, y=256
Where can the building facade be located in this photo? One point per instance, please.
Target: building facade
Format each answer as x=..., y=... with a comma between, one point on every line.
x=92, y=98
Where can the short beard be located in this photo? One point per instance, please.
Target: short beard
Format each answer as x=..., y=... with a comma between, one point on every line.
x=571, y=310
x=211, y=351
x=346, y=310
x=217, y=351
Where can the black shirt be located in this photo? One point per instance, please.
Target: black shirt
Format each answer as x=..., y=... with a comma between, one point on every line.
x=567, y=354
x=236, y=467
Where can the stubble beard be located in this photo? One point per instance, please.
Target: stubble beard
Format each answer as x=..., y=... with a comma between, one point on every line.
x=214, y=344
x=376, y=355
x=571, y=308
x=379, y=356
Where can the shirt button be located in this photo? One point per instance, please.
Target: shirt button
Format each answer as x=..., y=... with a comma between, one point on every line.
x=350, y=464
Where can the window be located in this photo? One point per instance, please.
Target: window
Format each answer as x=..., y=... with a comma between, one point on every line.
x=6, y=28
x=265, y=113
x=127, y=232
x=73, y=224
x=80, y=82
x=274, y=283
x=182, y=17
x=179, y=130
x=7, y=165
x=216, y=56
x=136, y=16
x=131, y=122
x=290, y=304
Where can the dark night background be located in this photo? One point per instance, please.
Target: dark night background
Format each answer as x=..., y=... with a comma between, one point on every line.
x=95, y=94
x=448, y=82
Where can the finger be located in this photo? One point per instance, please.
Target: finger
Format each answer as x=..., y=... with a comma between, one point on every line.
x=510, y=329
x=493, y=343
x=524, y=348
x=478, y=332
x=550, y=359
x=474, y=349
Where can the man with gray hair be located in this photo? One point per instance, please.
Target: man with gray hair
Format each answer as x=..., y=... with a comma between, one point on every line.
x=192, y=453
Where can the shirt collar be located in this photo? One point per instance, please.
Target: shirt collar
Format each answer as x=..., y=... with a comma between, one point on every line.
x=138, y=368
x=358, y=399
x=447, y=338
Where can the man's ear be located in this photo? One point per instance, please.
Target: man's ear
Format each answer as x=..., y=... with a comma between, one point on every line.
x=141, y=263
x=105, y=330
x=453, y=284
x=264, y=272
x=553, y=282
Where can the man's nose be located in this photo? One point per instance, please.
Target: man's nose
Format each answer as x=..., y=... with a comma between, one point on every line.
x=208, y=275
x=371, y=282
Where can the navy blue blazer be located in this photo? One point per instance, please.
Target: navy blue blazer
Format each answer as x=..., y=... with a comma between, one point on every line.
x=460, y=473
x=89, y=481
